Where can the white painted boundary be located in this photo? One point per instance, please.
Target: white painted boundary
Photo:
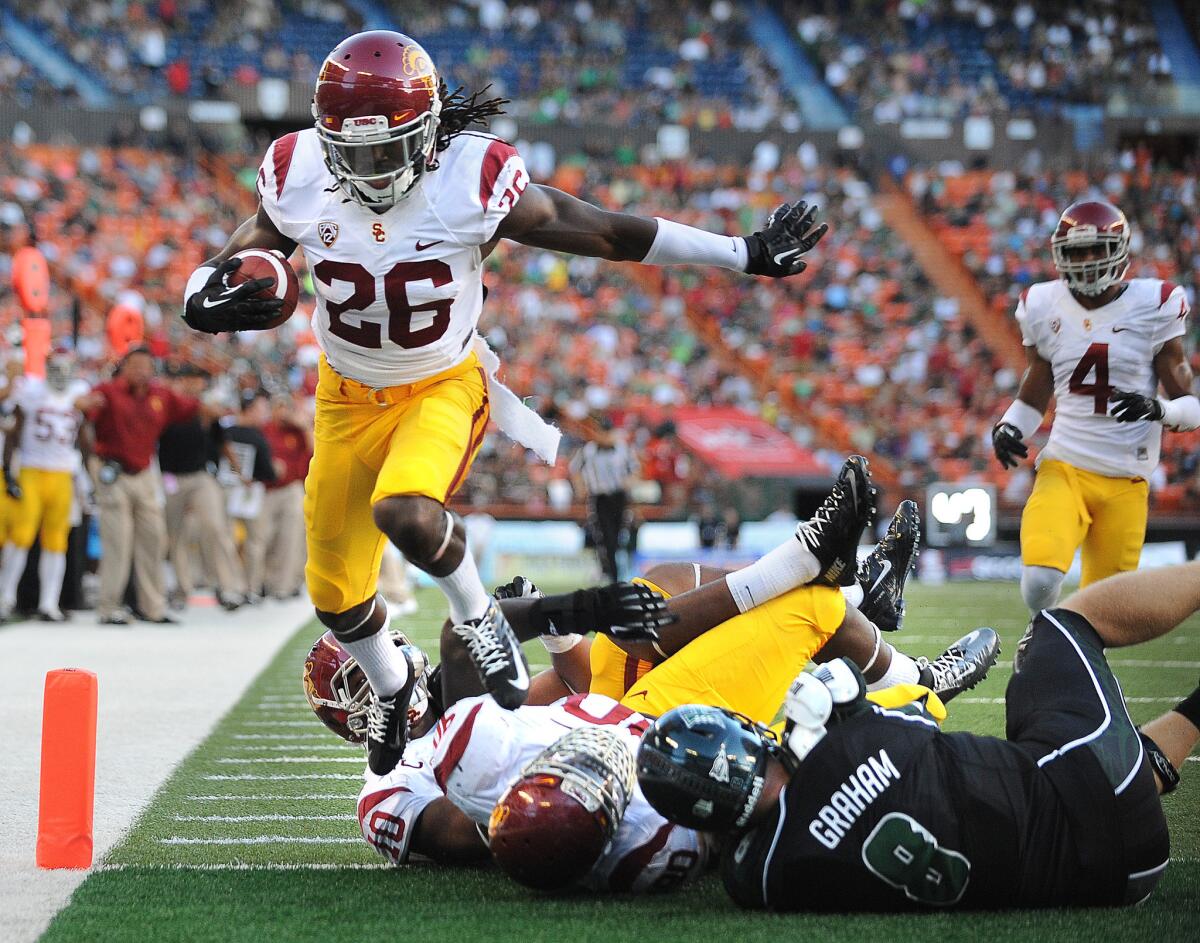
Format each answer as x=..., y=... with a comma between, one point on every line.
x=148, y=722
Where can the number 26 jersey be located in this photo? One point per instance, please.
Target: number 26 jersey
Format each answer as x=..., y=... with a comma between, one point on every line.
x=1092, y=353
x=399, y=293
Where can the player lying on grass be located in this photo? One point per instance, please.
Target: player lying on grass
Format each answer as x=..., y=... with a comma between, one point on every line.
x=860, y=808
x=406, y=811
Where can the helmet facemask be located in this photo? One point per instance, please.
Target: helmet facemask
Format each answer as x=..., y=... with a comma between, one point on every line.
x=377, y=165
x=60, y=370
x=1091, y=276
x=595, y=767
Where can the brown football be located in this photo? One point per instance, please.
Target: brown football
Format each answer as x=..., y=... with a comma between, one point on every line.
x=270, y=263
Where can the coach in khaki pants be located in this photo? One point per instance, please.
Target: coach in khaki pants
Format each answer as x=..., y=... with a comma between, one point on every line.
x=278, y=533
x=129, y=414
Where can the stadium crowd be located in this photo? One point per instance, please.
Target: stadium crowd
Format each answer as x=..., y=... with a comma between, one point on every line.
x=953, y=58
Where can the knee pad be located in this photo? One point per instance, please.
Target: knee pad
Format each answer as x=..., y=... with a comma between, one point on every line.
x=1040, y=586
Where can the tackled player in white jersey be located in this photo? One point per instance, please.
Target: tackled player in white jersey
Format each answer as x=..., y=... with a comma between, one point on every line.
x=1101, y=345
x=397, y=205
x=45, y=437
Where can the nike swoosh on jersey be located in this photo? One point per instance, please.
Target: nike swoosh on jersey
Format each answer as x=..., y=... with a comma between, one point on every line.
x=428, y=245
x=1118, y=330
x=887, y=568
x=638, y=694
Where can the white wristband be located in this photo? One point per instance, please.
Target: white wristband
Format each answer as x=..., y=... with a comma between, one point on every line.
x=677, y=244
x=557, y=644
x=197, y=280
x=1181, y=414
x=1024, y=417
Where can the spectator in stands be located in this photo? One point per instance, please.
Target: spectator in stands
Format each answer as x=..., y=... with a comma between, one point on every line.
x=254, y=467
x=279, y=533
x=195, y=507
x=129, y=414
x=603, y=468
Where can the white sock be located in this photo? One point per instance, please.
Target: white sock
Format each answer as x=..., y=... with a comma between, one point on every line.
x=464, y=590
x=12, y=565
x=902, y=670
x=381, y=661
x=51, y=569
x=789, y=565
x=854, y=595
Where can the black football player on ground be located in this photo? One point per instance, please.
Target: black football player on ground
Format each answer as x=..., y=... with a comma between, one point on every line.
x=858, y=808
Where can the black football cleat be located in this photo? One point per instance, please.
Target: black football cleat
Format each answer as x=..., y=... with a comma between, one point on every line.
x=496, y=652
x=387, y=717
x=961, y=666
x=883, y=573
x=834, y=532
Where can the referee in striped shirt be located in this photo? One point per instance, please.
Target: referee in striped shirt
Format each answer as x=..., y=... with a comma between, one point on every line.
x=604, y=467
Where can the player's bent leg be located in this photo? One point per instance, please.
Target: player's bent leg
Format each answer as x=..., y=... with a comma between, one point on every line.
x=1135, y=607
x=1041, y=586
x=1170, y=740
x=746, y=663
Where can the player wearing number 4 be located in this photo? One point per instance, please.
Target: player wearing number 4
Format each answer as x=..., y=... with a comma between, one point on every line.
x=1101, y=346
x=397, y=204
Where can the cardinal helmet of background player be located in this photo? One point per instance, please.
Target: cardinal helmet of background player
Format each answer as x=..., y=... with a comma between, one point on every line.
x=376, y=107
x=1083, y=227
x=60, y=369
x=338, y=692
x=703, y=767
x=553, y=824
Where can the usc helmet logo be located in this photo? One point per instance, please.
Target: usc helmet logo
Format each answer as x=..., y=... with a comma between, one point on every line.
x=415, y=61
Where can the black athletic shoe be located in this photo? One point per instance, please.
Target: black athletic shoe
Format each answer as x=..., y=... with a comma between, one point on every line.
x=497, y=654
x=961, y=666
x=882, y=574
x=834, y=532
x=387, y=717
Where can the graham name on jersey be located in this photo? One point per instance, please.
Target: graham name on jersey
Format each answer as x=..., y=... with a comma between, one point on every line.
x=851, y=798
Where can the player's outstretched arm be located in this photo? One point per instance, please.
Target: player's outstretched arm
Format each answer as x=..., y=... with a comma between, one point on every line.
x=550, y=219
x=211, y=306
x=1021, y=420
x=1179, y=409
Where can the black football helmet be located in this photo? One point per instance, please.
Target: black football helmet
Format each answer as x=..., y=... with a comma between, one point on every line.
x=704, y=767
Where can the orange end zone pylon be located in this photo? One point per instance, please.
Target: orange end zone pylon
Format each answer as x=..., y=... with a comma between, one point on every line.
x=68, y=770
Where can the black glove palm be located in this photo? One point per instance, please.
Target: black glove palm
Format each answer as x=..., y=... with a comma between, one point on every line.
x=775, y=250
x=1008, y=444
x=1133, y=407
x=220, y=307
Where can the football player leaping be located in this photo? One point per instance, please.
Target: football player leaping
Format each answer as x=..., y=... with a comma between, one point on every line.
x=396, y=205
x=1091, y=339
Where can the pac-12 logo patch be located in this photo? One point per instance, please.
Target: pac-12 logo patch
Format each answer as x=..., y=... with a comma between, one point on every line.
x=328, y=231
x=1056, y=325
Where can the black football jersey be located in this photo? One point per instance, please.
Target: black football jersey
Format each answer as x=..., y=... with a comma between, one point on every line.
x=888, y=812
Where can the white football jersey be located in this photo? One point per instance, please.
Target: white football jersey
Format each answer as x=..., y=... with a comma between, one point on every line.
x=1093, y=353
x=480, y=749
x=389, y=806
x=50, y=429
x=399, y=293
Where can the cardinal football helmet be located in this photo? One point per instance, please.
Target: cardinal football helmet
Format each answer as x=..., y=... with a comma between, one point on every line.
x=556, y=821
x=339, y=693
x=1091, y=246
x=376, y=108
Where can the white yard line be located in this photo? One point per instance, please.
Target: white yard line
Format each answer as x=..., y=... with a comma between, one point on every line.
x=262, y=840
x=343, y=748
x=1128, y=700
x=241, y=760
x=312, y=723
x=275, y=737
x=245, y=866
x=277, y=777
x=272, y=817
x=152, y=713
x=276, y=797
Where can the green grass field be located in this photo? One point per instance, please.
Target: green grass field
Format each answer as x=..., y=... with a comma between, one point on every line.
x=254, y=836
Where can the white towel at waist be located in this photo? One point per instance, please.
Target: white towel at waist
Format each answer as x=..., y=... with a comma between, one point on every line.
x=515, y=419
